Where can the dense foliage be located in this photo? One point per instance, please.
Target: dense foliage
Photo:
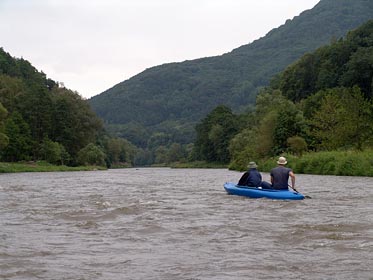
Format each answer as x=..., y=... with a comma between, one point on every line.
x=165, y=102
x=299, y=113
x=213, y=135
x=40, y=120
x=181, y=112
x=346, y=163
x=344, y=63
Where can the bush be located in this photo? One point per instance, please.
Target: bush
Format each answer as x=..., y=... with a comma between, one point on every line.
x=91, y=155
x=297, y=145
x=346, y=163
x=341, y=163
x=54, y=152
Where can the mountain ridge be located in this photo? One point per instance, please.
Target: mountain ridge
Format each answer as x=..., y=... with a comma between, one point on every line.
x=181, y=93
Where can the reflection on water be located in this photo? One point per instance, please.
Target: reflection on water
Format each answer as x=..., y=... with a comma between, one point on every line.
x=180, y=224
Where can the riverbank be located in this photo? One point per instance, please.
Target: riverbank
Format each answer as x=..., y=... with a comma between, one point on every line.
x=41, y=166
x=340, y=163
x=198, y=164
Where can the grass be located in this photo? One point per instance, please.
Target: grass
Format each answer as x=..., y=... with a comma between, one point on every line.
x=42, y=166
x=341, y=163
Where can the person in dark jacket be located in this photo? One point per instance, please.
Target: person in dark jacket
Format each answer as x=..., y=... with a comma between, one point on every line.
x=253, y=178
x=280, y=176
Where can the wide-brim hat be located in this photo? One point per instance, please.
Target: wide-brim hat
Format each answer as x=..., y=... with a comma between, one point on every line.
x=282, y=161
x=252, y=165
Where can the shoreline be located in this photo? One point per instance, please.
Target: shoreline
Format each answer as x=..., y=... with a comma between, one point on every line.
x=41, y=166
x=337, y=163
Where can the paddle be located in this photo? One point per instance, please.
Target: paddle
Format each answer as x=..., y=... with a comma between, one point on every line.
x=305, y=196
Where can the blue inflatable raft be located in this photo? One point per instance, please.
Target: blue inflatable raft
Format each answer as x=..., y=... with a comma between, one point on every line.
x=232, y=188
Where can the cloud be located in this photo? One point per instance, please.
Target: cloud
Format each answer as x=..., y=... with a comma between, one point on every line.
x=90, y=45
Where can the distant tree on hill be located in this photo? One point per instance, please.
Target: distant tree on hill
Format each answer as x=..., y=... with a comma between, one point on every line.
x=213, y=135
x=4, y=139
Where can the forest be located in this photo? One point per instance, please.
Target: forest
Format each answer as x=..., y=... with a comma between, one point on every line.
x=159, y=107
x=40, y=120
x=320, y=103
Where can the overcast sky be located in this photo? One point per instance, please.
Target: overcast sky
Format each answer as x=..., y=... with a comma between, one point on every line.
x=91, y=45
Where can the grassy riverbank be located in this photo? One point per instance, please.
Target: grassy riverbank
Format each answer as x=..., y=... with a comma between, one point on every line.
x=341, y=163
x=41, y=166
x=198, y=164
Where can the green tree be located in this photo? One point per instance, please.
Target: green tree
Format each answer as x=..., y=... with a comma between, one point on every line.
x=10, y=90
x=143, y=157
x=4, y=140
x=74, y=123
x=91, y=155
x=53, y=152
x=20, y=140
x=297, y=145
x=176, y=152
x=36, y=109
x=290, y=122
x=243, y=148
x=343, y=120
x=346, y=62
x=120, y=151
x=278, y=120
x=160, y=155
x=268, y=100
x=360, y=71
x=299, y=80
x=39, y=109
x=158, y=139
x=213, y=135
x=266, y=133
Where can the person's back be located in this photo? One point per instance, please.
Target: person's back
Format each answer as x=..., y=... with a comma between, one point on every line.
x=255, y=179
x=280, y=176
x=251, y=178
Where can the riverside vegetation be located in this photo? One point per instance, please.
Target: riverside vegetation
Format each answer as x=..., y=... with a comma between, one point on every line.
x=346, y=163
x=42, y=166
x=158, y=109
x=318, y=112
x=41, y=120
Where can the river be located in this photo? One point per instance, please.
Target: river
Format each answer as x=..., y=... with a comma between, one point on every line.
x=160, y=223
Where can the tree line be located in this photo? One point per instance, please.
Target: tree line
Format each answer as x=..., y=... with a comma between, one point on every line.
x=42, y=120
x=323, y=102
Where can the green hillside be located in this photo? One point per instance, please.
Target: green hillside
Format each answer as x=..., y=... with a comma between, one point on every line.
x=318, y=111
x=39, y=120
x=171, y=98
x=43, y=121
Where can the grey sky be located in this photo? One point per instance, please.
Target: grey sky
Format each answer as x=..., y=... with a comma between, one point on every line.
x=91, y=45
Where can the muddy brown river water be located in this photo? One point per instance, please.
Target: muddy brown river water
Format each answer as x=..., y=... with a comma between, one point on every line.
x=160, y=223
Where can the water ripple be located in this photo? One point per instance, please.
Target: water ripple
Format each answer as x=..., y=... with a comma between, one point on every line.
x=180, y=224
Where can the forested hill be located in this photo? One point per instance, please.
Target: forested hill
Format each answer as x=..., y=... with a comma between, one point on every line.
x=40, y=120
x=171, y=98
x=320, y=107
